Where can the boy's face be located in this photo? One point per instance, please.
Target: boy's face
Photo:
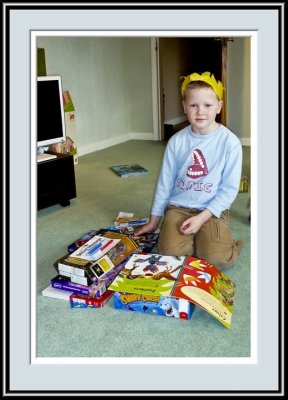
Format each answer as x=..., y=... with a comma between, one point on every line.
x=201, y=106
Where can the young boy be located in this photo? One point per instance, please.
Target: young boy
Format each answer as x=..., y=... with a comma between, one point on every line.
x=199, y=180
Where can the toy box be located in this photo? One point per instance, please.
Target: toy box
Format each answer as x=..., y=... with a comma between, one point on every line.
x=63, y=283
x=79, y=301
x=55, y=293
x=152, y=304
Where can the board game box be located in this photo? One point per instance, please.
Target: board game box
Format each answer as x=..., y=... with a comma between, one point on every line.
x=94, y=290
x=79, y=301
x=155, y=305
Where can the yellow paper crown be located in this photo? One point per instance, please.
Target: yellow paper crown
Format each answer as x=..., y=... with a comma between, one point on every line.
x=205, y=77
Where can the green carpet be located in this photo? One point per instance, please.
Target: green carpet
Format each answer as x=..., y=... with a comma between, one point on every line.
x=107, y=332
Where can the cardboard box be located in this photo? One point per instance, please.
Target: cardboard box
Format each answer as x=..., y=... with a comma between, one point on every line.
x=70, y=122
x=55, y=293
x=156, y=305
x=66, y=147
x=75, y=159
x=70, y=115
x=79, y=301
x=64, y=283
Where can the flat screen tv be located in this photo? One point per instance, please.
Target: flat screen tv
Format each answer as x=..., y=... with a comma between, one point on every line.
x=50, y=111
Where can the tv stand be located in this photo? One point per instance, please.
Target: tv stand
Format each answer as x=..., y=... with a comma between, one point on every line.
x=56, y=181
x=45, y=156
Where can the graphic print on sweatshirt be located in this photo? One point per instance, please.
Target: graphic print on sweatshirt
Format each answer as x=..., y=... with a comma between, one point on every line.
x=198, y=168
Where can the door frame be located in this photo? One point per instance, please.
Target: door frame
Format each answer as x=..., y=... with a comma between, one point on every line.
x=156, y=89
x=157, y=95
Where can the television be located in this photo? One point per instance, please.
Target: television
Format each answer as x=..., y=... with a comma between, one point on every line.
x=50, y=111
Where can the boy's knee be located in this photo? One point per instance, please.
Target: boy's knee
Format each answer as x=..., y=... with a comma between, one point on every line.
x=224, y=259
x=219, y=261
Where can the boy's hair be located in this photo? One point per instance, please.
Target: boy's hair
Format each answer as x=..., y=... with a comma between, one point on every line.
x=198, y=85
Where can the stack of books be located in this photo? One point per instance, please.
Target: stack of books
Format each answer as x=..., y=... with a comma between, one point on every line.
x=91, y=264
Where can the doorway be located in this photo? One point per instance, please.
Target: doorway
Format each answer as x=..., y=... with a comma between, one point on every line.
x=176, y=57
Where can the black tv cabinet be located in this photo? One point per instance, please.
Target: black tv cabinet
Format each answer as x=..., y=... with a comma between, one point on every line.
x=56, y=181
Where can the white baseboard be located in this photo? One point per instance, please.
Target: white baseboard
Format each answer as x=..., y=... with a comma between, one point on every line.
x=176, y=121
x=141, y=135
x=245, y=141
x=82, y=150
x=103, y=144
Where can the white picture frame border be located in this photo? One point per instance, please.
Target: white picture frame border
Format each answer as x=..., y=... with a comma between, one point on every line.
x=262, y=375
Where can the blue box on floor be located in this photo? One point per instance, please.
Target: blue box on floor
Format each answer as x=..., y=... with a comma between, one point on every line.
x=157, y=305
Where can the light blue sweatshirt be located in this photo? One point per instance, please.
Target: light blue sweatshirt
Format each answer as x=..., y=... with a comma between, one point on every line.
x=199, y=171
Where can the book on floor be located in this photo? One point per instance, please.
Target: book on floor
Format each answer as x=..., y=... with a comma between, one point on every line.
x=188, y=278
x=126, y=170
x=153, y=274
x=208, y=287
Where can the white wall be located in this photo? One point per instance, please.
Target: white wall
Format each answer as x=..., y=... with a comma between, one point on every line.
x=109, y=80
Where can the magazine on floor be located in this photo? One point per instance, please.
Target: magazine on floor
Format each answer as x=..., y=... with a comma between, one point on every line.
x=126, y=170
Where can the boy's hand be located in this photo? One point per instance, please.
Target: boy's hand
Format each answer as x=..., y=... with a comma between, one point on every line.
x=150, y=227
x=193, y=224
x=145, y=229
